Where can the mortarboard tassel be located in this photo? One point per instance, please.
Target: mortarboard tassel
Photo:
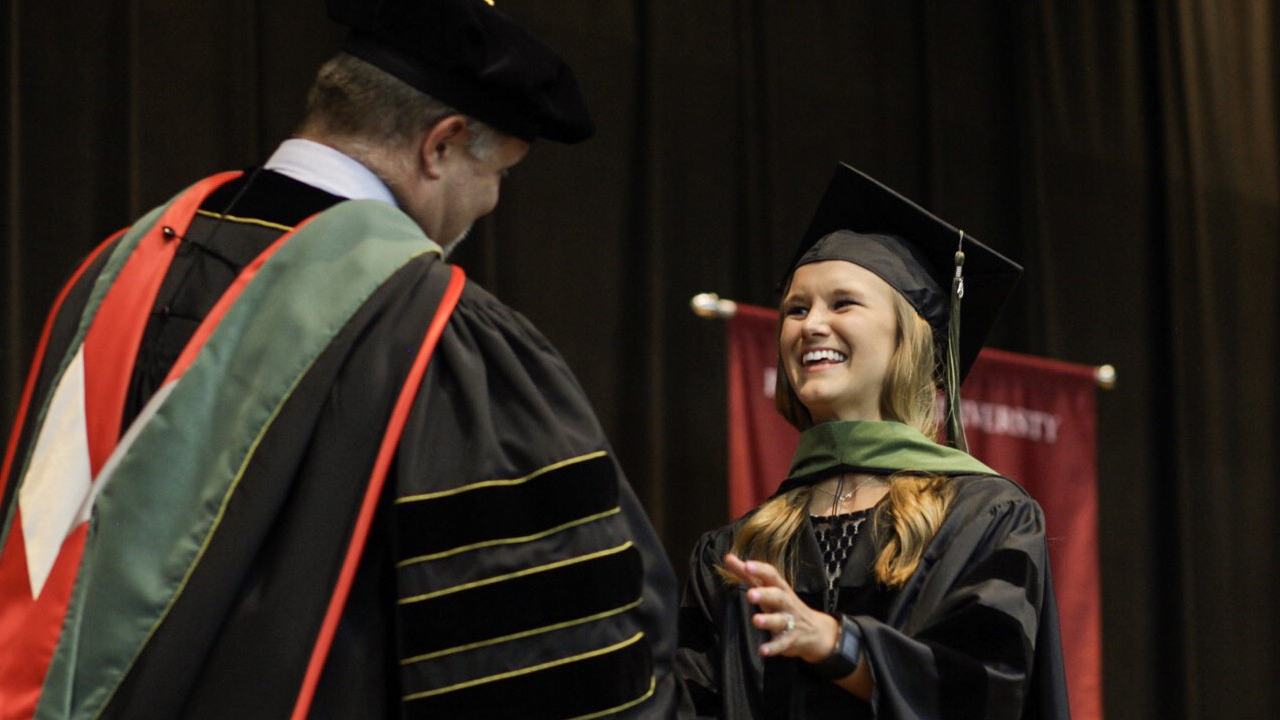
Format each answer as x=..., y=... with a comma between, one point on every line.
x=955, y=426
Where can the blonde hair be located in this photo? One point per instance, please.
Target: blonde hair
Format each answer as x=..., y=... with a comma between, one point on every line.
x=917, y=504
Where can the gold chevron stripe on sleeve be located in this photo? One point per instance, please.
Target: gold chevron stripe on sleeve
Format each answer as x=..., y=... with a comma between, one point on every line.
x=524, y=634
x=500, y=483
x=525, y=671
x=508, y=541
x=653, y=685
x=518, y=573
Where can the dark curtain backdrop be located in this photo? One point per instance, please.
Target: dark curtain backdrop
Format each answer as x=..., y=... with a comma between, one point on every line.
x=1124, y=150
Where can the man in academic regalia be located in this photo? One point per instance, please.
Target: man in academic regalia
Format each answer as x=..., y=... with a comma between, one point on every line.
x=276, y=458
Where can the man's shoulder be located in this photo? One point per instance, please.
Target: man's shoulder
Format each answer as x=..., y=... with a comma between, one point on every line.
x=479, y=305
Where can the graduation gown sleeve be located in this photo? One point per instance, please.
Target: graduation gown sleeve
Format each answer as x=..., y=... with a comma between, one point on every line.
x=513, y=517
x=702, y=636
x=974, y=632
x=721, y=672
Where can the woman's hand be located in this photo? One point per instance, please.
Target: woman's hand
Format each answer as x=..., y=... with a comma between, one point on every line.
x=798, y=630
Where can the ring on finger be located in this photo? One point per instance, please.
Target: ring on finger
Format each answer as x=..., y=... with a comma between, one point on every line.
x=791, y=623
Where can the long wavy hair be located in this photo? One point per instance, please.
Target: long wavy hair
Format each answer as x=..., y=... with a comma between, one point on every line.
x=917, y=503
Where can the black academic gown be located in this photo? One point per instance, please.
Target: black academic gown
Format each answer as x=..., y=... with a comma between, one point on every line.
x=973, y=633
x=545, y=598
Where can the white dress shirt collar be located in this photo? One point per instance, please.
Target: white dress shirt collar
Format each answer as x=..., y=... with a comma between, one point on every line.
x=323, y=167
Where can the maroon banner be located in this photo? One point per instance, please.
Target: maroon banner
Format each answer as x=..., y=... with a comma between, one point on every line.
x=1028, y=418
x=1035, y=420
x=761, y=443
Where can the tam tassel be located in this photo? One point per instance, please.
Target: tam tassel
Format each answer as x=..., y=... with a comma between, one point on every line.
x=955, y=423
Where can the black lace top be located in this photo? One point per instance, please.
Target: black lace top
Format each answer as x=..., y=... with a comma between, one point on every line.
x=836, y=535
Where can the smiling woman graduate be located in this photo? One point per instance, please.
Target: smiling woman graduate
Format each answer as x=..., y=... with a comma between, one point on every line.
x=890, y=576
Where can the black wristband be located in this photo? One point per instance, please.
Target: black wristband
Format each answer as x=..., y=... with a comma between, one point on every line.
x=844, y=659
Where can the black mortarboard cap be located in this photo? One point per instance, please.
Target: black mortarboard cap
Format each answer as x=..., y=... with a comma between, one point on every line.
x=471, y=56
x=913, y=251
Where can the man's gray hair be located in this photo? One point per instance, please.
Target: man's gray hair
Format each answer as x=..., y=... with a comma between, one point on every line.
x=369, y=110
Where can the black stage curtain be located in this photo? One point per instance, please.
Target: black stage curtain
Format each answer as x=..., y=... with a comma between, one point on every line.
x=1124, y=150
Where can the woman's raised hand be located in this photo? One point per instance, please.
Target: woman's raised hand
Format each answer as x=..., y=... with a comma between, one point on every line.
x=798, y=630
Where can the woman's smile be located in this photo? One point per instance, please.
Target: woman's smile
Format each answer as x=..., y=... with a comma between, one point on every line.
x=839, y=330
x=821, y=358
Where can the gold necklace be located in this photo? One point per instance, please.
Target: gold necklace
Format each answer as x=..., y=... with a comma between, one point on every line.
x=840, y=496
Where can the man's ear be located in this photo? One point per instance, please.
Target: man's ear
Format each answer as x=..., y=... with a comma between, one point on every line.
x=443, y=144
